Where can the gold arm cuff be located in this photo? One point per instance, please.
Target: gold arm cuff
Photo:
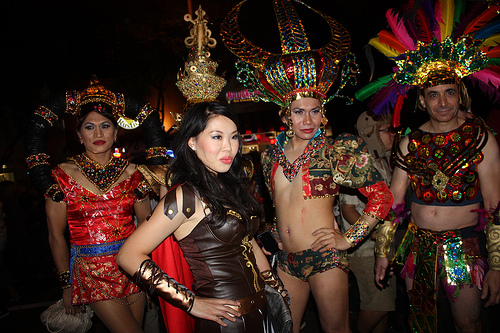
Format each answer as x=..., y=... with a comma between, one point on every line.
x=150, y=277
x=385, y=236
x=493, y=246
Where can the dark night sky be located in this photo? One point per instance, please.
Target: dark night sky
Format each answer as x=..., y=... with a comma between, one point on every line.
x=58, y=45
x=54, y=45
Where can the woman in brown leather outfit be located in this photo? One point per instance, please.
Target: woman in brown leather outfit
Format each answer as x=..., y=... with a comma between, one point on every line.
x=213, y=216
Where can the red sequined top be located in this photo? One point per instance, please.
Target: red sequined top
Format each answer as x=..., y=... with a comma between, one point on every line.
x=98, y=218
x=442, y=166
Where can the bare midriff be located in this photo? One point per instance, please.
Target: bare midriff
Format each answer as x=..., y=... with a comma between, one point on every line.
x=440, y=218
x=298, y=217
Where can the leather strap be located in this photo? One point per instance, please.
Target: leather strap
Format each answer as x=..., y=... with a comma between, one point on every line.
x=188, y=201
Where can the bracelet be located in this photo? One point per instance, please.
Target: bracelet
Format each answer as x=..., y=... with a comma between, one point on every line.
x=274, y=229
x=64, y=279
x=385, y=236
x=37, y=159
x=156, y=152
x=54, y=192
x=493, y=246
x=357, y=232
x=46, y=114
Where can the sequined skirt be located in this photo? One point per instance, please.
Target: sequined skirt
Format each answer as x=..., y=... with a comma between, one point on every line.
x=96, y=276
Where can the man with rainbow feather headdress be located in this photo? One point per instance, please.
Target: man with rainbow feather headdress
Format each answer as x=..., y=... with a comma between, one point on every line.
x=451, y=162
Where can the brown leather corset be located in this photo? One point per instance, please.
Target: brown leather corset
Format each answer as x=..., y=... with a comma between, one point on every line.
x=222, y=259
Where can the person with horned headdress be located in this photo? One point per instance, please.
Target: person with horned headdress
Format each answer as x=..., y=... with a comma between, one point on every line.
x=451, y=163
x=95, y=196
x=305, y=169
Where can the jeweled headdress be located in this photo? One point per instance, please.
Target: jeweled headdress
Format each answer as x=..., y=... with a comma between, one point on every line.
x=198, y=81
x=436, y=42
x=71, y=102
x=97, y=93
x=299, y=71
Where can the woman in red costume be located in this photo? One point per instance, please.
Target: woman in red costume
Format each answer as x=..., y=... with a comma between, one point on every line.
x=213, y=216
x=95, y=195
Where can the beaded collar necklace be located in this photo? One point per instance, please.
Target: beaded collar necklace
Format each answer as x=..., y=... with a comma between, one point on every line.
x=290, y=170
x=102, y=176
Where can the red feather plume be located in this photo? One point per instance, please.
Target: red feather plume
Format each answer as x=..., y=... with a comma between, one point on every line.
x=482, y=19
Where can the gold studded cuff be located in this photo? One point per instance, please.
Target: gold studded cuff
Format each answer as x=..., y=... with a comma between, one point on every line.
x=46, y=114
x=156, y=152
x=357, y=232
x=37, y=159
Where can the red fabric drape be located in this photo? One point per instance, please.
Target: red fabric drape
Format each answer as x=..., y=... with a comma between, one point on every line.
x=168, y=256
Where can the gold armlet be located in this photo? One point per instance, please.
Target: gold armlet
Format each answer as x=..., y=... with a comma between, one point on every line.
x=385, y=236
x=357, y=232
x=272, y=279
x=151, y=278
x=493, y=246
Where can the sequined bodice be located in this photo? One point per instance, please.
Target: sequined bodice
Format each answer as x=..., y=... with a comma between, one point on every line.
x=326, y=165
x=222, y=259
x=98, y=218
x=443, y=166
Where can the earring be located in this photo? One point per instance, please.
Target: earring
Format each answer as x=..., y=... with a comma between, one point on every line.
x=193, y=148
x=290, y=133
x=81, y=141
x=324, y=121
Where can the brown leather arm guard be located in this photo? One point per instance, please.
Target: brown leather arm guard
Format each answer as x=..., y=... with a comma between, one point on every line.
x=385, y=236
x=152, y=279
x=493, y=246
x=272, y=279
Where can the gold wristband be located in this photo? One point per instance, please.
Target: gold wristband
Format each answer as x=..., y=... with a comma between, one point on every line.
x=385, y=236
x=493, y=246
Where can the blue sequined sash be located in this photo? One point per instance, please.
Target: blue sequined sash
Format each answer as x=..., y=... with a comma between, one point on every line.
x=92, y=250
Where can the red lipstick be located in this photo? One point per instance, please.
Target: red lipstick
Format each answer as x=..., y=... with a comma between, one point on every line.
x=227, y=160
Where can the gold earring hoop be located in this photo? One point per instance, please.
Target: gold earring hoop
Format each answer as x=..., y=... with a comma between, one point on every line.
x=324, y=121
x=290, y=133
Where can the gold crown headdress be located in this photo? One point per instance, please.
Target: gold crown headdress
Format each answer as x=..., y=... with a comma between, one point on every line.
x=198, y=81
x=436, y=42
x=97, y=93
x=299, y=71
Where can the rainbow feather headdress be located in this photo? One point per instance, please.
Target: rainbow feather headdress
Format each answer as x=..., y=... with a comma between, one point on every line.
x=299, y=71
x=436, y=42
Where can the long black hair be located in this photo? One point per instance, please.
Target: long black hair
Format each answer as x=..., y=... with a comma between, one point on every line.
x=222, y=190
